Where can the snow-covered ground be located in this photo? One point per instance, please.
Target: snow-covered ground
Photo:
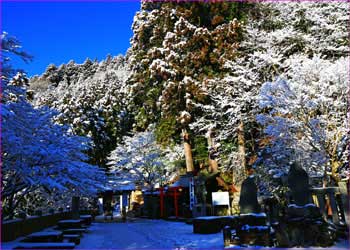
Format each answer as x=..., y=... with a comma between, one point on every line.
x=151, y=234
x=154, y=234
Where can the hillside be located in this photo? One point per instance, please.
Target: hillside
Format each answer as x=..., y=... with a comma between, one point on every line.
x=212, y=66
x=91, y=97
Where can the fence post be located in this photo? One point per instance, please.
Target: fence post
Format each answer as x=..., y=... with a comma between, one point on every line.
x=335, y=212
x=321, y=196
x=343, y=189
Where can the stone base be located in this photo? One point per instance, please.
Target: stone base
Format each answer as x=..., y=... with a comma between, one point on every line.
x=206, y=226
x=256, y=235
x=200, y=210
x=211, y=224
x=253, y=219
x=305, y=233
x=248, y=229
x=308, y=211
x=304, y=226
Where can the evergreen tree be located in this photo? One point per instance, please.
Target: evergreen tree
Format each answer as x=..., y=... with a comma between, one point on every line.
x=92, y=98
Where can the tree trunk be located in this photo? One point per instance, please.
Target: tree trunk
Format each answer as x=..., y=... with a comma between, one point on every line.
x=11, y=209
x=334, y=158
x=188, y=151
x=213, y=164
x=241, y=151
x=348, y=125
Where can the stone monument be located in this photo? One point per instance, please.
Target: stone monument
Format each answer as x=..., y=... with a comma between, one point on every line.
x=298, y=182
x=248, y=201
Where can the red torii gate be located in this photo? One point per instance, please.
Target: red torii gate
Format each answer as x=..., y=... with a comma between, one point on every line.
x=174, y=192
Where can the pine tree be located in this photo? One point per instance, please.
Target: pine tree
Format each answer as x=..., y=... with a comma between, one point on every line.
x=92, y=97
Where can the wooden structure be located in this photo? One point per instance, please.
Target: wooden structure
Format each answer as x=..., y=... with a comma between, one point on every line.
x=338, y=200
x=168, y=199
x=174, y=193
x=116, y=190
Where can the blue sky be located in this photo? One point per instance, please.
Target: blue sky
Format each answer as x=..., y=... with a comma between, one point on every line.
x=56, y=32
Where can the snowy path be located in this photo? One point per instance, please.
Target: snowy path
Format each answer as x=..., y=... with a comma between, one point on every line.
x=148, y=234
x=155, y=234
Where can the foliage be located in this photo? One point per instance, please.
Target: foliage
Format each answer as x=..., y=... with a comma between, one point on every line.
x=174, y=48
x=10, y=46
x=36, y=152
x=92, y=98
x=208, y=66
x=278, y=39
x=138, y=159
x=300, y=123
x=200, y=150
x=165, y=130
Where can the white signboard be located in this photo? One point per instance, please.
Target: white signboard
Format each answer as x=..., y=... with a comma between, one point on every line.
x=220, y=198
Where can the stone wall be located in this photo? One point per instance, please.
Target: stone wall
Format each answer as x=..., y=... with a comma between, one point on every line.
x=12, y=229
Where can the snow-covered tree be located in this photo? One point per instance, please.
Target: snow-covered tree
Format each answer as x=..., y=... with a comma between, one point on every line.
x=304, y=119
x=230, y=115
x=10, y=46
x=278, y=38
x=307, y=44
x=139, y=159
x=91, y=97
x=196, y=67
x=209, y=60
x=175, y=47
x=37, y=153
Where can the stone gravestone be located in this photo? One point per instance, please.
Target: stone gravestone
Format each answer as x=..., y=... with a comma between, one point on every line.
x=251, y=226
x=298, y=182
x=248, y=201
x=304, y=225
